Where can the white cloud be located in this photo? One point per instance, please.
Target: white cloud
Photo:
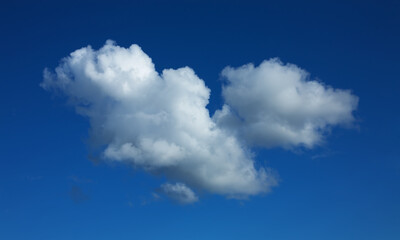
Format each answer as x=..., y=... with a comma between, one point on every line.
x=276, y=105
x=179, y=192
x=158, y=122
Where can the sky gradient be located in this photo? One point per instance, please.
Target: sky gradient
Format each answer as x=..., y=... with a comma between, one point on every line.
x=53, y=185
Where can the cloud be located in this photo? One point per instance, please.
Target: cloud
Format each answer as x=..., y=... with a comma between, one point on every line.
x=179, y=192
x=275, y=105
x=159, y=121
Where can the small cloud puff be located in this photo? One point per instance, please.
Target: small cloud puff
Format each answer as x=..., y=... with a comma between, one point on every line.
x=179, y=192
x=275, y=105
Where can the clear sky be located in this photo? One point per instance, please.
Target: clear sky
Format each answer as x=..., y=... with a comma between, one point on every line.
x=314, y=162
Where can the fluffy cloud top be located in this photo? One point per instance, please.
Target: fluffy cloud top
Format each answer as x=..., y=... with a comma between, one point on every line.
x=159, y=122
x=275, y=105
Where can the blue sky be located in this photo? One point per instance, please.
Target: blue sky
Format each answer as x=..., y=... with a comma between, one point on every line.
x=346, y=187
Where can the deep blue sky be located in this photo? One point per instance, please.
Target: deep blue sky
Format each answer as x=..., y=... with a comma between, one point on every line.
x=347, y=189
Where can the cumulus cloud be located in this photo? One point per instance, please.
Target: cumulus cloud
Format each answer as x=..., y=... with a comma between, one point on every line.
x=179, y=192
x=159, y=121
x=276, y=105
